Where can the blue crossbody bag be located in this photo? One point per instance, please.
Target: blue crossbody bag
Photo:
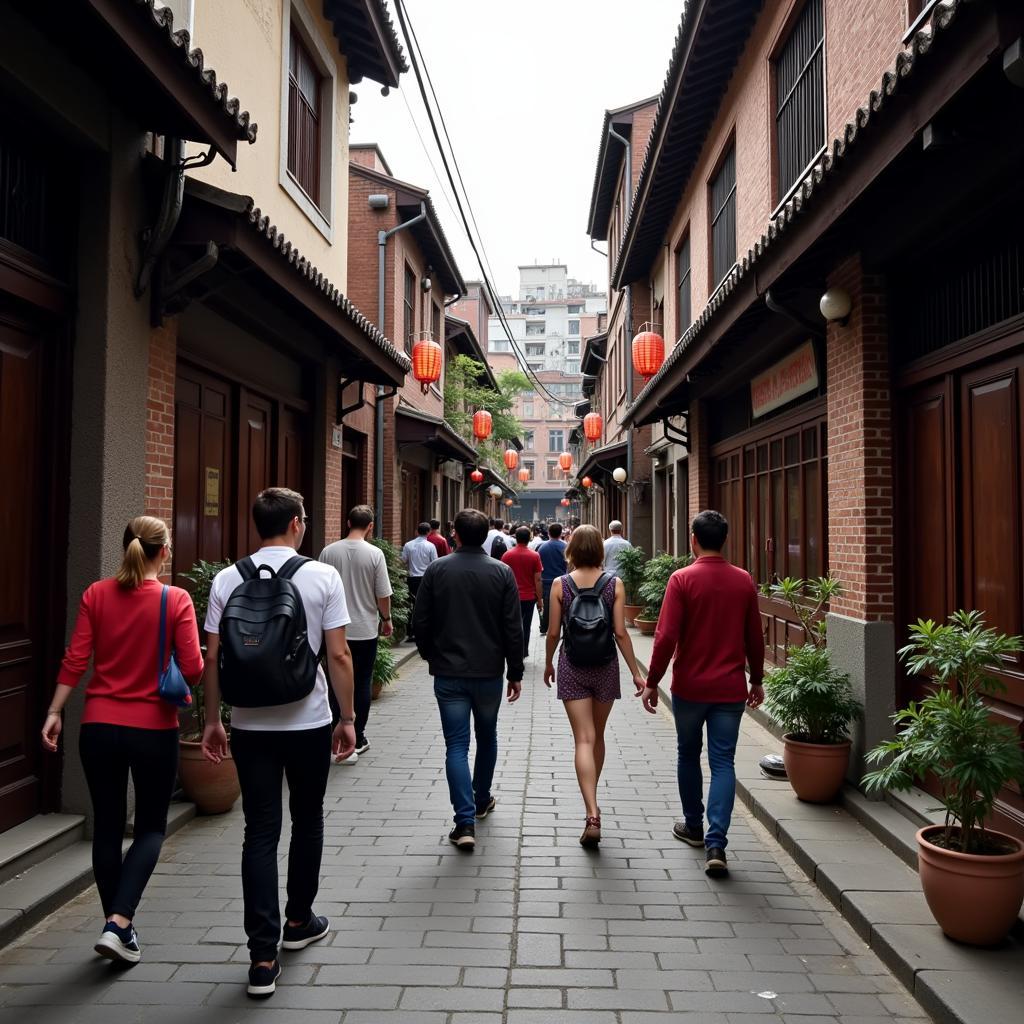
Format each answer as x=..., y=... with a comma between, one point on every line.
x=171, y=686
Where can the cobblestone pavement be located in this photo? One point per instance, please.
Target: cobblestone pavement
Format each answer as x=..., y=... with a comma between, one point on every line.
x=530, y=929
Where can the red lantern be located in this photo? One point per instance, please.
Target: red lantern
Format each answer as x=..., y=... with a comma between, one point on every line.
x=482, y=424
x=511, y=459
x=427, y=357
x=586, y=481
x=524, y=475
x=648, y=353
x=565, y=502
x=565, y=461
x=592, y=426
x=476, y=476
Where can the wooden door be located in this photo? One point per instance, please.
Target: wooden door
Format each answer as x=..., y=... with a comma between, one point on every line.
x=255, y=465
x=412, y=500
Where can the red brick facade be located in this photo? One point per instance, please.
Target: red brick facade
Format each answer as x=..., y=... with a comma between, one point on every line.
x=163, y=347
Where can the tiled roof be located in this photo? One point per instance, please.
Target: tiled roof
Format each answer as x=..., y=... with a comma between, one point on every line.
x=817, y=179
x=367, y=36
x=161, y=20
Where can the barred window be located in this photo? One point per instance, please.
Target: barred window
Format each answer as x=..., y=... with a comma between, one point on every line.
x=409, y=307
x=304, y=114
x=723, y=218
x=683, y=305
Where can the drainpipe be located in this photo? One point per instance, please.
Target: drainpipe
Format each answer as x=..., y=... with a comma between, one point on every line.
x=629, y=327
x=378, y=454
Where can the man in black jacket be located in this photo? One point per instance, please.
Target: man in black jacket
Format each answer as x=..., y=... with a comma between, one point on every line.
x=468, y=625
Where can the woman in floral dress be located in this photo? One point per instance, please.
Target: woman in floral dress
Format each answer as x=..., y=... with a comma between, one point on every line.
x=588, y=693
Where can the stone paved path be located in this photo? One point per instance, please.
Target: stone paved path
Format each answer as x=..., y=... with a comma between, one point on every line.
x=530, y=929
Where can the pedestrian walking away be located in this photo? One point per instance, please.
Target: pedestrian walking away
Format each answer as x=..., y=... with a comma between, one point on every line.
x=364, y=574
x=280, y=718
x=588, y=615
x=526, y=567
x=614, y=543
x=469, y=628
x=417, y=554
x=437, y=539
x=134, y=629
x=496, y=533
x=553, y=567
x=710, y=627
x=538, y=538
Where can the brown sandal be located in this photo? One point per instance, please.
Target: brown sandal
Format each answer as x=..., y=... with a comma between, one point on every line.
x=591, y=832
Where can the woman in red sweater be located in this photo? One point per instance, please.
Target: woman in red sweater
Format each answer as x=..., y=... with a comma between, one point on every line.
x=126, y=725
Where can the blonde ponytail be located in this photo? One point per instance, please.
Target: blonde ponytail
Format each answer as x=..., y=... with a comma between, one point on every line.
x=144, y=537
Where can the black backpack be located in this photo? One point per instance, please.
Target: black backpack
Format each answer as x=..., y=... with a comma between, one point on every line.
x=498, y=547
x=588, y=634
x=265, y=657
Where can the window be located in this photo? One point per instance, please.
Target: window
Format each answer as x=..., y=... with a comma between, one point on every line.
x=556, y=440
x=528, y=466
x=575, y=309
x=304, y=118
x=573, y=349
x=535, y=367
x=534, y=330
x=535, y=349
x=435, y=323
x=684, y=314
x=553, y=471
x=723, y=218
x=528, y=441
x=800, y=97
x=574, y=327
x=528, y=409
x=572, y=366
x=500, y=345
x=409, y=308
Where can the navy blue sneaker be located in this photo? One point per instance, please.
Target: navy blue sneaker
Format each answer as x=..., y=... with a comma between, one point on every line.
x=306, y=934
x=120, y=944
x=263, y=980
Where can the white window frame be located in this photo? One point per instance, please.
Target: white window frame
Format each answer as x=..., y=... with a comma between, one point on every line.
x=321, y=216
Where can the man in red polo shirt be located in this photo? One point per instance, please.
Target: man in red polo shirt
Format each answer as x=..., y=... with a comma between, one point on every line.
x=437, y=540
x=526, y=567
x=711, y=624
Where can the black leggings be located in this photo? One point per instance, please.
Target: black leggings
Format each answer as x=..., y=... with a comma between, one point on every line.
x=109, y=753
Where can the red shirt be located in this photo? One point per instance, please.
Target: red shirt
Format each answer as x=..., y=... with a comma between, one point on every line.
x=525, y=564
x=440, y=543
x=710, y=622
x=119, y=628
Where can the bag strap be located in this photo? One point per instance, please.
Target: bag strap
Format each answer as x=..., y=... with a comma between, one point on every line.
x=163, y=631
x=292, y=566
x=573, y=589
x=246, y=568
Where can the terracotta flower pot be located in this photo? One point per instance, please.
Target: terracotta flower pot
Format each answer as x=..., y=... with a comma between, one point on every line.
x=375, y=690
x=631, y=611
x=646, y=626
x=213, y=788
x=816, y=770
x=975, y=897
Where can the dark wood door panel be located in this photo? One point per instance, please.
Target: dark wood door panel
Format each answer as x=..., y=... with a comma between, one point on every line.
x=255, y=471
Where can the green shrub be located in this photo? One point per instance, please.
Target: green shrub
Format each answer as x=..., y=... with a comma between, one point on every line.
x=657, y=572
x=385, y=670
x=200, y=578
x=631, y=572
x=809, y=698
x=397, y=574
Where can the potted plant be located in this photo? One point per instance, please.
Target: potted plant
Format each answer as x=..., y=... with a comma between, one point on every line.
x=657, y=572
x=400, y=604
x=631, y=571
x=813, y=703
x=972, y=876
x=213, y=788
x=384, y=669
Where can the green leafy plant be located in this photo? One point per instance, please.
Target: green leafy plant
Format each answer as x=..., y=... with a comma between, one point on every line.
x=385, y=671
x=950, y=734
x=812, y=701
x=400, y=603
x=200, y=579
x=631, y=563
x=657, y=572
x=808, y=599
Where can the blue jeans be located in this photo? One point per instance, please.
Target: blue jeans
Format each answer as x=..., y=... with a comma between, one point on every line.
x=457, y=700
x=723, y=724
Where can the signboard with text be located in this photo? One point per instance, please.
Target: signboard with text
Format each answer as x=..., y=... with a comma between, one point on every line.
x=787, y=380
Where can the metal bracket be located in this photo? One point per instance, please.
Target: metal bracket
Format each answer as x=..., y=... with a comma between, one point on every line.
x=679, y=436
x=341, y=411
x=169, y=288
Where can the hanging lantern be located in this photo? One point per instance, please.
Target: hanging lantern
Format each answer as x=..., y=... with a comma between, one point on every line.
x=511, y=459
x=565, y=461
x=565, y=502
x=476, y=476
x=508, y=502
x=494, y=491
x=648, y=353
x=592, y=426
x=586, y=481
x=524, y=475
x=427, y=357
x=482, y=424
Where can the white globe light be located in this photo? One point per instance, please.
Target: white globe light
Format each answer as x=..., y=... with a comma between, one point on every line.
x=835, y=304
x=495, y=491
x=619, y=475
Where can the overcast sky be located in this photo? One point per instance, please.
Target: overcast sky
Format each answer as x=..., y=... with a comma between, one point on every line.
x=523, y=85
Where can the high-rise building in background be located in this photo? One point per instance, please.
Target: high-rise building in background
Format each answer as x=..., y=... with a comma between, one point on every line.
x=548, y=320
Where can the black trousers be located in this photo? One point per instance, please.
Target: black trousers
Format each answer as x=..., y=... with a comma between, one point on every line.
x=263, y=759
x=526, y=607
x=364, y=653
x=414, y=586
x=109, y=753
x=545, y=586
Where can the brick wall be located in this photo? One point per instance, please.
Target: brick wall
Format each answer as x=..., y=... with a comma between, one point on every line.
x=698, y=465
x=860, y=450
x=163, y=348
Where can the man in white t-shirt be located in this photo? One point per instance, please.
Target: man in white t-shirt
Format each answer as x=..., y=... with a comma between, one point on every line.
x=417, y=554
x=497, y=532
x=364, y=572
x=290, y=741
x=613, y=545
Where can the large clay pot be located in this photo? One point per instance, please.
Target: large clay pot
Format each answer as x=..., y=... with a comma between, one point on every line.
x=213, y=788
x=631, y=611
x=816, y=770
x=646, y=626
x=375, y=690
x=975, y=897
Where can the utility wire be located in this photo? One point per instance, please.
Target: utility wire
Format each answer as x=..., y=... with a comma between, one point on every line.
x=417, y=62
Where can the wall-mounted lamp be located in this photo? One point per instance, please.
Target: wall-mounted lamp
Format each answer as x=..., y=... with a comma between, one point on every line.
x=619, y=475
x=379, y=201
x=426, y=284
x=835, y=305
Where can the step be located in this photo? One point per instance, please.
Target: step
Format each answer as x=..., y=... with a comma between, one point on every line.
x=35, y=840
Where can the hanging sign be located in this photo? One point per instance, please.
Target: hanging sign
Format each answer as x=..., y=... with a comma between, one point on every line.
x=211, y=504
x=786, y=380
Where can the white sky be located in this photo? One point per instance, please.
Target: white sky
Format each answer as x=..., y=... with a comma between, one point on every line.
x=523, y=85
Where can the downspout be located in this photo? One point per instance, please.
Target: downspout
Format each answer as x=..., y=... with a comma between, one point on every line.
x=629, y=325
x=170, y=210
x=378, y=416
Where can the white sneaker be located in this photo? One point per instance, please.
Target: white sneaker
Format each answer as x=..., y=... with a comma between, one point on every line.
x=351, y=759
